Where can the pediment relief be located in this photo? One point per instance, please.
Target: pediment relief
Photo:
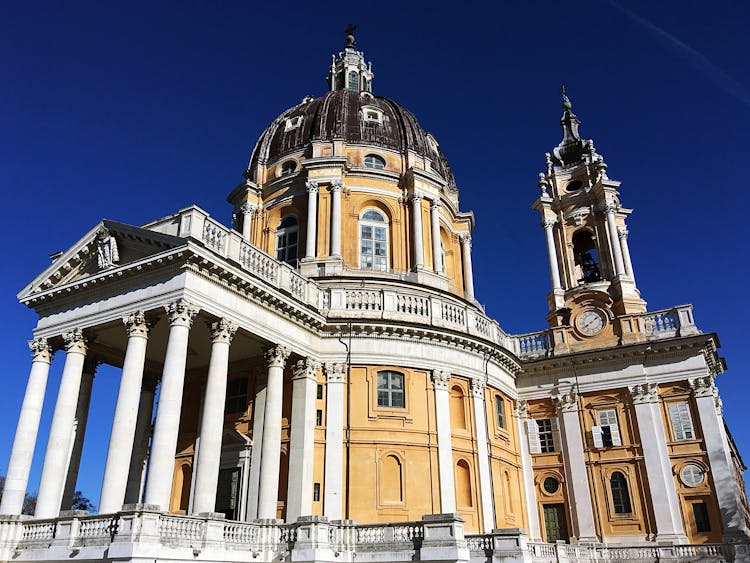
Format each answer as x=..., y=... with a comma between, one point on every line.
x=107, y=246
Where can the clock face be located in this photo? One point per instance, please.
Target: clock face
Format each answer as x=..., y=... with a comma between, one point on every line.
x=591, y=321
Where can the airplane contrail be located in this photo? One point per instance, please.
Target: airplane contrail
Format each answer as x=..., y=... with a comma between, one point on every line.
x=694, y=58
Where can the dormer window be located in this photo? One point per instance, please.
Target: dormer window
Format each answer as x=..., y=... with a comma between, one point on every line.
x=372, y=115
x=292, y=122
x=374, y=161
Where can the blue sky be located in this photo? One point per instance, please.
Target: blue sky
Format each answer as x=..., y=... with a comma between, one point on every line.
x=132, y=110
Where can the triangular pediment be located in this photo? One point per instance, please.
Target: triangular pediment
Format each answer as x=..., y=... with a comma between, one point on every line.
x=107, y=246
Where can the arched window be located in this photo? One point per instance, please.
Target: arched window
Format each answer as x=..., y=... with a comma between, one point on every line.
x=353, y=84
x=391, y=480
x=457, y=408
x=618, y=484
x=286, y=239
x=586, y=258
x=464, y=497
x=373, y=241
x=391, y=389
x=288, y=167
x=374, y=161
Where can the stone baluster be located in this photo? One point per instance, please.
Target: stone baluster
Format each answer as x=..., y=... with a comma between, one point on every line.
x=554, y=268
x=21, y=455
x=268, y=490
x=212, y=421
x=664, y=499
x=485, y=475
x=333, y=498
x=437, y=254
x=139, y=454
x=336, y=187
x=312, y=220
x=302, y=439
x=576, y=472
x=416, y=212
x=166, y=427
x=55, y=468
x=468, y=268
x=79, y=431
x=529, y=487
x=440, y=380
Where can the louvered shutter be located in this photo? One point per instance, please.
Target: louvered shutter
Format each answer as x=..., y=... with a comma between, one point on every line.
x=532, y=430
x=596, y=432
x=615, y=432
x=555, y=433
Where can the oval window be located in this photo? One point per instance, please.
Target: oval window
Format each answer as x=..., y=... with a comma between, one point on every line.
x=288, y=167
x=551, y=485
x=374, y=161
x=692, y=475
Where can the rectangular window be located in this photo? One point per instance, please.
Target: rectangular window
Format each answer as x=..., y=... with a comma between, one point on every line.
x=682, y=424
x=319, y=392
x=391, y=389
x=236, y=396
x=316, y=492
x=607, y=434
x=546, y=434
x=702, y=521
x=318, y=417
x=499, y=411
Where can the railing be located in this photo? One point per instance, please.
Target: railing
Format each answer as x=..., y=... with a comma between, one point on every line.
x=241, y=533
x=406, y=532
x=532, y=344
x=180, y=528
x=479, y=542
x=542, y=551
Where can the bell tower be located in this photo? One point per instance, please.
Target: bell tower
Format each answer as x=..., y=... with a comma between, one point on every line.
x=593, y=292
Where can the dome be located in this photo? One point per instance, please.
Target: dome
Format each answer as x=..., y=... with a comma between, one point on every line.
x=358, y=118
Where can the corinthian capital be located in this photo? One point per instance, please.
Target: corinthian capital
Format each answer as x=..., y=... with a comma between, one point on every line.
x=522, y=409
x=622, y=232
x=465, y=239
x=247, y=208
x=312, y=187
x=306, y=369
x=136, y=324
x=335, y=372
x=41, y=351
x=440, y=379
x=435, y=204
x=644, y=393
x=417, y=198
x=704, y=387
x=566, y=402
x=337, y=186
x=477, y=388
x=74, y=341
x=222, y=331
x=276, y=356
x=549, y=222
x=181, y=313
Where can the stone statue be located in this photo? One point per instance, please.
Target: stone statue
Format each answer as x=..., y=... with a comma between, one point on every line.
x=106, y=249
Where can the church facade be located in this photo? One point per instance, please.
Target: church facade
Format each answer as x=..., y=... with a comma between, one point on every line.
x=318, y=382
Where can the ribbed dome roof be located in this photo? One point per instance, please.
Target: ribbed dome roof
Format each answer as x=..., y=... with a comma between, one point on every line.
x=339, y=114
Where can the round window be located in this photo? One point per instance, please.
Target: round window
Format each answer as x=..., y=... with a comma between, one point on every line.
x=288, y=167
x=692, y=475
x=551, y=485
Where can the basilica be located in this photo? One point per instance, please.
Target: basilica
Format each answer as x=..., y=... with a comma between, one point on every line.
x=318, y=382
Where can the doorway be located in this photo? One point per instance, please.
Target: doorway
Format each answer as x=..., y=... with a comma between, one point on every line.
x=555, y=524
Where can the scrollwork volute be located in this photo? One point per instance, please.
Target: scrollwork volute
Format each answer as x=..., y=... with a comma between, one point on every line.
x=41, y=351
x=522, y=409
x=181, y=313
x=440, y=379
x=337, y=186
x=644, y=393
x=222, y=331
x=137, y=324
x=566, y=402
x=312, y=187
x=704, y=387
x=74, y=341
x=477, y=388
x=306, y=369
x=276, y=356
x=335, y=372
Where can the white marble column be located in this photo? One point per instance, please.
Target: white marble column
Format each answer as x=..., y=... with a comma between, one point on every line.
x=723, y=473
x=124, y=422
x=212, y=422
x=79, y=432
x=440, y=380
x=312, y=220
x=468, y=268
x=333, y=498
x=483, y=457
x=663, y=493
x=268, y=489
x=554, y=267
x=437, y=255
x=139, y=453
x=55, y=469
x=614, y=242
x=336, y=187
x=167, y=425
x=418, y=238
x=21, y=455
x=302, y=440
x=527, y=467
x=576, y=472
x=259, y=411
x=622, y=233
x=247, y=209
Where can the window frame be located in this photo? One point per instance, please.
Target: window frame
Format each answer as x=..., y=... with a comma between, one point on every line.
x=621, y=497
x=684, y=420
x=607, y=433
x=535, y=432
x=285, y=232
x=378, y=162
x=390, y=390
x=500, y=411
x=373, y=224
x=228, y=401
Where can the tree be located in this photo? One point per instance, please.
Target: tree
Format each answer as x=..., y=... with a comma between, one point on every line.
x=80, y=502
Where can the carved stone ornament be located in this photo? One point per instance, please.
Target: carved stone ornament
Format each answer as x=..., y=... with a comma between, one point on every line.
x=335, y=372
x=74, y=341
x=136, y=324
x=549, y=222
x=622, y=232
x=440, y=379
x=248, y=208
x=644, y=393
x=306, y=369
x=477, y=388
x=566, y=402
x=222, y=331
x=434, y=204
x=312, y=187
x=522, y=409
x=41, y=351
x=417, y=198
x=107, y=255
x=181, y=313
x=465, y=239
x=543, y=184
x=276, y=356
x=337, y=186
x=704, y=387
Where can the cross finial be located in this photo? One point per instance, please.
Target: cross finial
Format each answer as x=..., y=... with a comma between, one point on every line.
x=566, y=101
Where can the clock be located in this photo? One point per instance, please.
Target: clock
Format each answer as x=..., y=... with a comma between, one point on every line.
x=591, y=322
